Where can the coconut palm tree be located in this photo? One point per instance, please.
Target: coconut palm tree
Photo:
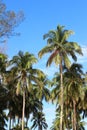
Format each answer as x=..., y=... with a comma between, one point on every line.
x=26, y=77
x=42, y=94
x=73, y=82
x=60, y=49
x=39, y=121
x=3, y=105
x=73, y=90
x=3, y=91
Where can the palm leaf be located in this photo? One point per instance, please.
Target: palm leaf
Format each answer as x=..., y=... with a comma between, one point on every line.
x=66, y=61
x=45, y=50
x=77, y=48
x=66, y=34
x=53, y=55
x=18, y=88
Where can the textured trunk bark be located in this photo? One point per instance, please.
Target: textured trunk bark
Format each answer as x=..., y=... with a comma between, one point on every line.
x=23, y=111
x=74, y=114
x=61, y=87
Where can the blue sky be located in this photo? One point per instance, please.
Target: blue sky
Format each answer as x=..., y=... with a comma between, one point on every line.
x=42, y=16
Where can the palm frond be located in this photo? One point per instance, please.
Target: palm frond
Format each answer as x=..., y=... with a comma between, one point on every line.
x=51, y=58
x=66, y=61
x=45, y=50
x=18, y=88
x=77, y=48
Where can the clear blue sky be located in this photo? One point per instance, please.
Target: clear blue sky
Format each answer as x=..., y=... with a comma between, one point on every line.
x=42, y=16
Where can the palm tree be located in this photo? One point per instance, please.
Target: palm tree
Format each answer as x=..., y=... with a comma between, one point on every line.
x=39, y=121
x=3, y=91
x=43, y=94
x=73, y=82
x=73, y=90
x=26, y=76
x=56, y=98
x=60, y=49
x=3, y=105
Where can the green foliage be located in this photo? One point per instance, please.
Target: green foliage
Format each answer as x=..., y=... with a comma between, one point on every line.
x=19, y=127
x=39, y=121
x=22, y=78
x=59, y=47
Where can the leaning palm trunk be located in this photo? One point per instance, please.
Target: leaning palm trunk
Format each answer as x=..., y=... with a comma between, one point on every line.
x=61, y=102
x=23, y=111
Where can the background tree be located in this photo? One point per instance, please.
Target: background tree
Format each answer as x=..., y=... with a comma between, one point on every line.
x=39, y=121
x=3, y=91
x=74, y=88
x=8, y=21
x=27, y=78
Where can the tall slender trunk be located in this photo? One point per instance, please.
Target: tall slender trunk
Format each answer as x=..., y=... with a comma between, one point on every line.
x=74, y=115
x=72, y=120
x=9, y=123
x=61, y=103
x=23, y=111
x=67, y=122
x=40, y=127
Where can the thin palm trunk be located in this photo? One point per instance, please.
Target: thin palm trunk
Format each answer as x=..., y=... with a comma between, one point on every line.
x=72, y=121
x=9, y=123
x=61, y=88
x=40, y=127
x=67, y=124
x=74, y=115
x=23, y=111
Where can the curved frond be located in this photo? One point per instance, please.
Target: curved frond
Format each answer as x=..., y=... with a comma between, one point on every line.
x=45, y=50
x=66, y=61
x=49, y=35
x=52, y=57
x=37, y=81
x=66, y=34
x=77, y=48
x=18, y=88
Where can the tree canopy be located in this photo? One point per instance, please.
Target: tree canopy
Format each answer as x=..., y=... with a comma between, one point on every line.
x=8, y=21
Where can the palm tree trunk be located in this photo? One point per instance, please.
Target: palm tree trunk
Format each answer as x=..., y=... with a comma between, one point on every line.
x=67, y=123
x=61, y=103
x=40, y=127
x=9, y=123
x=23, y=111
x=72, y=121
x=74, y=114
